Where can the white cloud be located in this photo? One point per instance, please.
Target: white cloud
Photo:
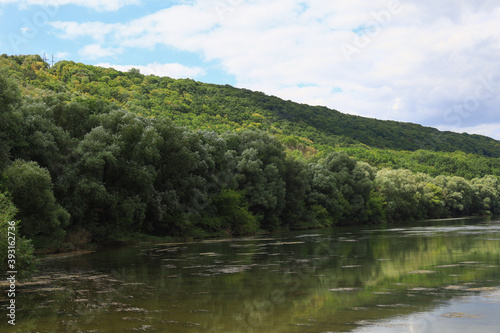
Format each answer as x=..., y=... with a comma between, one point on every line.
x=58, y=56
x=173, y=70
x=94, y=51
x=73, y=30
x=99, y=5
x=410, y=64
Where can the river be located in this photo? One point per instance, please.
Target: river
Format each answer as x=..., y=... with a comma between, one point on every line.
x=426, y=276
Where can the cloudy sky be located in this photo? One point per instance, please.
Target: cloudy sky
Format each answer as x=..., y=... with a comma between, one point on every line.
x=432, y=62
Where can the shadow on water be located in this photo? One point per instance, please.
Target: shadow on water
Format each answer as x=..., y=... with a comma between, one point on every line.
x=428, y=276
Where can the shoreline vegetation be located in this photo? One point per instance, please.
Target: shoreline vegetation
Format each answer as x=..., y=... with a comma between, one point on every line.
x=146, y=239
x=90, y=155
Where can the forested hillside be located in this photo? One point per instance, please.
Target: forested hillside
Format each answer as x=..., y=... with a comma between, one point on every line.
x=89, y=154
x=305, y=129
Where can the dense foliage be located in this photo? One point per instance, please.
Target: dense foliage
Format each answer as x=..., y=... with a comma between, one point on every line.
x=221, y=108
x=95, y=154
x=22, y=257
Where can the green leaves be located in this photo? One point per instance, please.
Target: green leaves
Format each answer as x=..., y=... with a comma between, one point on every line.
x=42, y=218
x=10, y=121
x=95, y=151
x=342, y=186
x=10, y=94
x=232, y=208
x=418, y=196
x=25, y=259
x=259, y=172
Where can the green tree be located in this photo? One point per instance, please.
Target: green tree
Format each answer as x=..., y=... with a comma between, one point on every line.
x=42, y=219
x=25, y=261
x=400, y=192
x=487, y=195
x=324, y=195
x=232, y=209
x=296, y=214
x=342, y=186
x=458, y=194
x=259, y=172
x=10, y=120
x=109, y=186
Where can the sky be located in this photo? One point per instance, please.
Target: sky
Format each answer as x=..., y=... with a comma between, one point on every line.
x=431, y=62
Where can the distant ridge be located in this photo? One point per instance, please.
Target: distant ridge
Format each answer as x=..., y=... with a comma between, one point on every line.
x=222, y=107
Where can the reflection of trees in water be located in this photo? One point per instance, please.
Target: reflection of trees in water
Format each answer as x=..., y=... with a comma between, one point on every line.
x=263, y=285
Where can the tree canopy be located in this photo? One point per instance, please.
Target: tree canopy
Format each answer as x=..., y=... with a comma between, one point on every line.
x=89, y=153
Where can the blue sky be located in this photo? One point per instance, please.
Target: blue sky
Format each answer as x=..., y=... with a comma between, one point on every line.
x=429, y=62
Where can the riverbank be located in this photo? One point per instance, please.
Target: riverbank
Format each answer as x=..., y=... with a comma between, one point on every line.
x=82, y=248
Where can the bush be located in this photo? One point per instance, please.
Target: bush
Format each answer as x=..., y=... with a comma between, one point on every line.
x=42, y=218
x=232, y=209
x=25, y=262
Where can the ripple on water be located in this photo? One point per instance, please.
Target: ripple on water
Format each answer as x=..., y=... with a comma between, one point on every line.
x=132, y=319
x=231, y=269
x=285, y=243
x=422, y=271
x=132, y=309
x=447, y=266
x=458, y=315
x=344, y=289
x=398, y=305
x=209, y=254
x=143, y=328
x=308, y=235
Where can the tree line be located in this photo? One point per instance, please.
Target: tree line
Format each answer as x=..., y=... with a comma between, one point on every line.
x=78, y=169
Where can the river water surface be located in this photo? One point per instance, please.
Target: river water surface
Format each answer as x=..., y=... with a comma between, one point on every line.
x=431, y=276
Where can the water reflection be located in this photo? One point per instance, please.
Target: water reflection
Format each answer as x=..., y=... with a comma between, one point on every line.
x=318, y=281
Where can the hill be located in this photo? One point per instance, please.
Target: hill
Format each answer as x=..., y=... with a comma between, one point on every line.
x=219, y=108
x=94, y=154
x=301, y=128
